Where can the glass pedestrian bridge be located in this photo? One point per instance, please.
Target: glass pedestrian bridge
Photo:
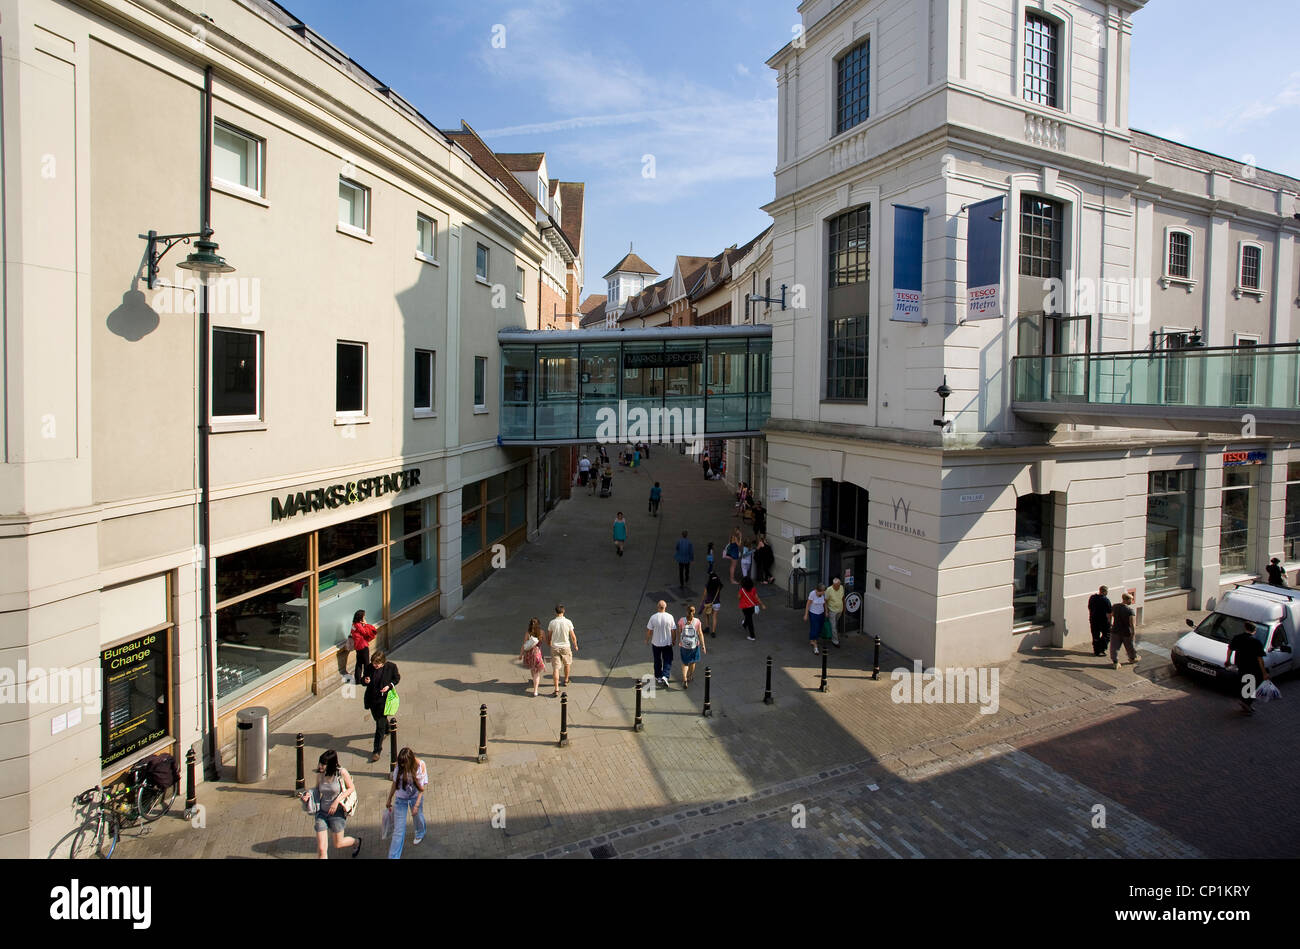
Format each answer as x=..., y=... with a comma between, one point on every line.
x=1202, y=389
x=657, y=385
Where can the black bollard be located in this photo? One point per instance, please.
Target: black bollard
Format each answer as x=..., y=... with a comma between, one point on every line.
x=564, y=719
x=708, y=708
x=875, y=671
x=637, y=726
x=767, y=692
x=191, y=794
x=392, y=742
x=482, y=733
x=824, y=687
x=300, y=783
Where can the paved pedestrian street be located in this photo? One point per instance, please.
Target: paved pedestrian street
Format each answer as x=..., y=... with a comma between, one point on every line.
x=1078, y=759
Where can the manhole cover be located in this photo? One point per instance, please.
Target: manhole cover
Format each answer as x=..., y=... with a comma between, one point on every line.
x=603, y=852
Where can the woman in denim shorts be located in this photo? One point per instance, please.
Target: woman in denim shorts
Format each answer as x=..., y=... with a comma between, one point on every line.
x=331, y=781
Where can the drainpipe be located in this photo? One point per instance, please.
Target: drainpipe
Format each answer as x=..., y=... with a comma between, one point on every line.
x=212, y=770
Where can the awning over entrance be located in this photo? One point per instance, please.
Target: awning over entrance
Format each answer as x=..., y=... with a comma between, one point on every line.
x=667, y=384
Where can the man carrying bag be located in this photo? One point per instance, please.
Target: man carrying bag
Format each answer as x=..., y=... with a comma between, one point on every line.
x=381, y=696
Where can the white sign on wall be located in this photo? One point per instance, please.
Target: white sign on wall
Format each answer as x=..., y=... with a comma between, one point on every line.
x=778, y=494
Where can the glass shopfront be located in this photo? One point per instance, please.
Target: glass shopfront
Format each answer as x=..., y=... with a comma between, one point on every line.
x=1291, y=520
x=492, y=511
x=1170, y=503
x=1033, y=560
x=282, y=604
x=1237, y=521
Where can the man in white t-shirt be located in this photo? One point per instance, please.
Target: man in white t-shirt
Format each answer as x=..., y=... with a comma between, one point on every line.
x=584, y=471
x=563, y=642
x=659, y=634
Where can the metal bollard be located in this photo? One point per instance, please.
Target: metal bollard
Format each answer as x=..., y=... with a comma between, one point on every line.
x=564, y=719
x=824, y=687
x=300, y=783
x=392, y=742
x=767, y=691
x=875, y=671
x=191, y=794
x=482, y=733
x=637, y=726
x=708, y=708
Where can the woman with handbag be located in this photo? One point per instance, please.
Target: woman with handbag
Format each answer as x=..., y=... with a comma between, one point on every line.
x=381, y=696
x=749, y=605
x=363, y=634
x=712, y=601
x=410, y=778
x=531, y=654
x=337, y=797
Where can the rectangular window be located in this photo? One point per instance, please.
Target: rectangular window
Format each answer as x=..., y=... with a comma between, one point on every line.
x=350, y=379
x=480, y=382
x=1170, y=503
x=481, y=262
x=1031, y=599
x=519, y=282
x=236, y=158
x=354, y=206
x=1173, y=367
x=424, y=363
x=1041, y=60
x=1041, y=234
x=1180, y=254
x=236, y=374
x=846, y=359
x=852, y=86
x=1291, y=519
x=426, y=237
x=1251, y=256
x=849, y=247
x=1243, y=371
x=1237, y=520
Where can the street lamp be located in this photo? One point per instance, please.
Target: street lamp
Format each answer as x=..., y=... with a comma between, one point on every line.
x=205, y=261
x=942, y=392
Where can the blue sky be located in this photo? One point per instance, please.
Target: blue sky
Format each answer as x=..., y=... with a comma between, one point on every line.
x=599, y=86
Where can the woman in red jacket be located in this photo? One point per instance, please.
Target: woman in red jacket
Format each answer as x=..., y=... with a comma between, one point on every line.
x=363, y=634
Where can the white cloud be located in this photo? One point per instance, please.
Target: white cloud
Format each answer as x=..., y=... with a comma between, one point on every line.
x=1288, y=96
x=742, y=69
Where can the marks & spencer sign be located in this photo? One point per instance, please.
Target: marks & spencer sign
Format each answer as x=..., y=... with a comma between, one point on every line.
x=341, y=495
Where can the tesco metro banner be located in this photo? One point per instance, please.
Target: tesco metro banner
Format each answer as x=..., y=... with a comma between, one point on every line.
x=984, y=260
x=909, y=227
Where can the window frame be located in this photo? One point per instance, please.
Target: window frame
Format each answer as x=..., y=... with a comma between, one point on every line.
x=258, y=384
x=521, y=277
x=352, y=414
x=259, y=165
x=1056, y=242
x=483, y=276
x=1238, y=369
x=1257, y=290
x=480, y=408
x=835, y=274
x=1168, y=276
x=430, y=410
x=348, y=227
x=838, y=112
x=1055, y=79
x=420, y=253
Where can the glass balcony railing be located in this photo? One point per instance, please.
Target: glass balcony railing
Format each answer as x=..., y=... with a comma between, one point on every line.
x=676, y=383
x=1231, y=378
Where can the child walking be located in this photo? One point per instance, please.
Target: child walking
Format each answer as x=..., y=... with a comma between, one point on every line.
x=531, y=653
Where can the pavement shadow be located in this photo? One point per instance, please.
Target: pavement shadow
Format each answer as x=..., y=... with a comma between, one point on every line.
x=486, y=685
x=287, y=846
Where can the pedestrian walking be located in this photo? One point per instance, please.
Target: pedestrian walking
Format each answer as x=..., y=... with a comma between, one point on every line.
x=656, y=495
x=563, y=643
x=690, y=644
x=684, y=555
x=620, y=533
x=1250, y=665
x=749, y=605
x=732, y=552
x=708, y=557
x=814, y=614
x=835, y=608
x=659, y=633
x=1276, y=575
x=406, y=795
x=332, y=783
x=747, y=560
x=380, y=682
x=764, y=560
x=363, y=634
x=645, y=450
x=712, y=601
x=1123, y=631
x=1099, y=616
x=760, y=518
x=584, y=471
x=636, y=458
x=531, y=653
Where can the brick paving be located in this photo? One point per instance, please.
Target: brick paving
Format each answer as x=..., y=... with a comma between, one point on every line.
x=875, y=777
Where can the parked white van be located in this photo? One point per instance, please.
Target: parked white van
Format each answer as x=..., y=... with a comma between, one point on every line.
x=1275, y=611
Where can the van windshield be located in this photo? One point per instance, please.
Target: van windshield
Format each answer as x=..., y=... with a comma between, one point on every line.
x=1223, y=628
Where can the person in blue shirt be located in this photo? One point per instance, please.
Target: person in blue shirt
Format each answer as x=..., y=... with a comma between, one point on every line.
x=684, y=555
x=656, y=494
x=620, y=533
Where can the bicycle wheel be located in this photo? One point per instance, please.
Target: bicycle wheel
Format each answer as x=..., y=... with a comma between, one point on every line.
x=152, y=802
x=86, y=842
x=108, y=842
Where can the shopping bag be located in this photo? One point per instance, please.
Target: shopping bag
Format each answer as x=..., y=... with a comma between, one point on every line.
x=828, y=631
x=310, y=801
x=1267, y=692
x=386, y=824
x=391, y=703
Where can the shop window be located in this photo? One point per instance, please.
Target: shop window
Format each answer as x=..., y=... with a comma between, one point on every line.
x=1171, y=500
x=356, y=584
x=1291, y=521
x=1237, y=521
x=1031, y=598
x=249, y=570
x=350, y=537
x=413, y=568
x=260, y=636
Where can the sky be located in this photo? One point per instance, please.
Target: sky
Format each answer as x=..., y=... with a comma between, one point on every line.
x=668, y=112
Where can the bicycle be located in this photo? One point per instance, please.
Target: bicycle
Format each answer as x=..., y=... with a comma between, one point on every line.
x=135, y=800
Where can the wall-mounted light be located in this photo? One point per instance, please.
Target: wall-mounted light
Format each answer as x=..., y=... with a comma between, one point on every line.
x=943, y=392
x=204, y=261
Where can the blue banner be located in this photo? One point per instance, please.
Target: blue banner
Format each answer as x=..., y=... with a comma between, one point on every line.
x=984, y=260
x=909, y=228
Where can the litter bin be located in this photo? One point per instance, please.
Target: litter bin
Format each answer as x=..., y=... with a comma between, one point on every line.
x=251, y=744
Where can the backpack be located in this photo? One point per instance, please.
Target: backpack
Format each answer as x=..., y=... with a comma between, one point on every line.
x=689, y=637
